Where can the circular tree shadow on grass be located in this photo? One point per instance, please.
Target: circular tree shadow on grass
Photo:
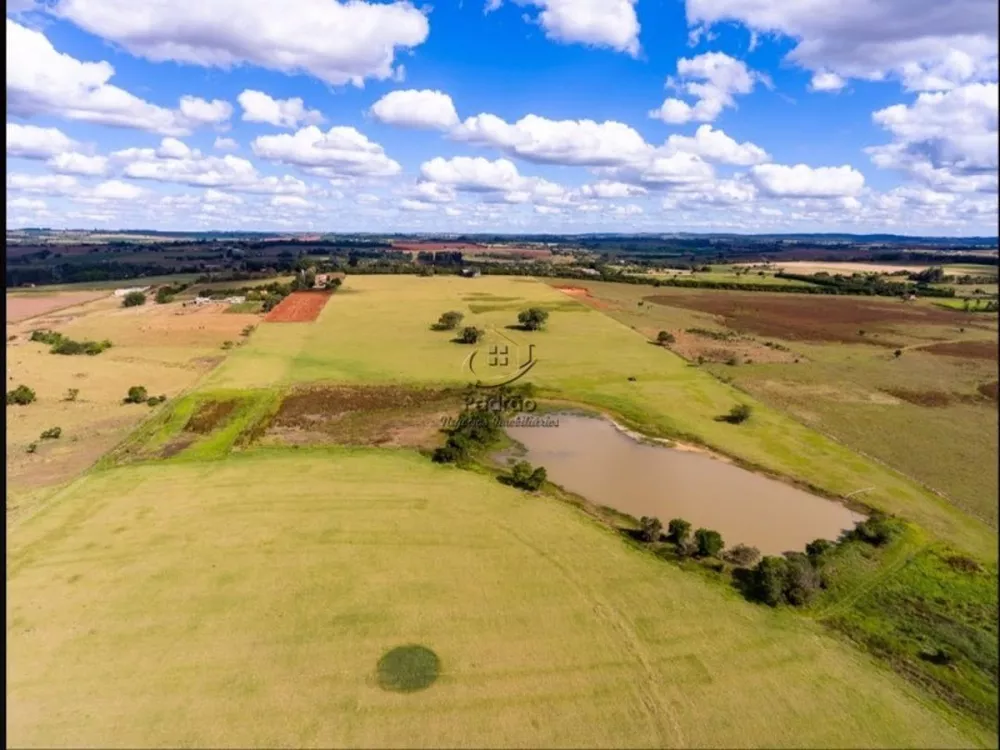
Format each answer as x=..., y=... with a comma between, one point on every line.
x=407, y=669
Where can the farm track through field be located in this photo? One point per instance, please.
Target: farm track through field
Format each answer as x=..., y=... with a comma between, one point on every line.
x=654, y=704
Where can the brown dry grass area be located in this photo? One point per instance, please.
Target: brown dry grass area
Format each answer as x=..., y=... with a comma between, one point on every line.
x=361, y=415
x=210, y=415
x=165, y=348
x=24, y=306
x=989, y=390
x=299, y=307
x=796, y=317
x=934, y=399
x=692, y=346
x=965, y=349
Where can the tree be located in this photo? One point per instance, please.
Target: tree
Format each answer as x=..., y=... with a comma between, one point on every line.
x=802, y=580
x=650, y=528
x=709, y=542
x=136, y=395
x=22, y=396
x=768, y=580
x=817, y=548
x=532, y=319
x=470, y=335
x=164, y=295
x=523, y=476
x=678, y=531
x=133, y=299
x=742, y=555
x=71, y=394
x=898, y=353
x=665, y=337
x=876, y=530
x=449, y=321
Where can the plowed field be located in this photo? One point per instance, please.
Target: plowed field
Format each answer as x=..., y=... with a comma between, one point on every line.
x=298, y=307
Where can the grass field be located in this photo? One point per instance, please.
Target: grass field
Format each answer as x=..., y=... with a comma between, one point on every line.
x=361, y=337
x=255, y=597
x=942, y=431
x=728, y=275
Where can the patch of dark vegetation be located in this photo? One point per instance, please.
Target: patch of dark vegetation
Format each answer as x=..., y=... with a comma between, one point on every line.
x=964, y=564
x=62, y=345
x=708, y=333
x=524, y=476
x=921, y=398
x=407, y=669
x=20, y=396
x=175, y=446
x=360, y=415
x=210, y=415
x=137, y=394
x=448, y=321
x=737, y=415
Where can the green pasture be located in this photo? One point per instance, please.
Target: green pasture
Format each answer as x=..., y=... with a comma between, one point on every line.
x=377, y=330
x=367, y=597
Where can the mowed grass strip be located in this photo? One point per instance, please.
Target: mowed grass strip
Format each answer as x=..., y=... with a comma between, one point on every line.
x=256, y=597
x=378, y=331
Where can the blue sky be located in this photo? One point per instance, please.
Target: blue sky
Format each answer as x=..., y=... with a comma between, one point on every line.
x=512, y=116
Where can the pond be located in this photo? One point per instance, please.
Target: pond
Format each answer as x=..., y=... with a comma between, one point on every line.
x=591, y=457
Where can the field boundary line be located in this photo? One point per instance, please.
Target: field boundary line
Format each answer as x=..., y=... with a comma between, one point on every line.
x=653, y=703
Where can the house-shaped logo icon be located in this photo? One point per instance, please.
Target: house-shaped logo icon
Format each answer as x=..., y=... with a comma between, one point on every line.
x=498, y=359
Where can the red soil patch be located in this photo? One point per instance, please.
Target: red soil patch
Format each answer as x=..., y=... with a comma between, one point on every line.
x=803, y=317
x=583, y=295
x=298, y=307
x=965, y=349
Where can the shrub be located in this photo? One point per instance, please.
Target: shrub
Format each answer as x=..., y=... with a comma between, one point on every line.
x=524, y=477
x=164, y=295
x=227, y=344
x=678, y=531
x=742, y=555
x=650, y=528
x=449, y=321
x=32, y=447
x=470, y=335
x=22, y=396
x=136, y=395
x=133, y=299
x=876, y=530
x=665, y=337
x=155, y=400
x=71, y=394
x=898, y=353
x=533, y=319
x=732, y=360
x=738, y=414
x=52, y=433
x=709, y=542
x=802, y=580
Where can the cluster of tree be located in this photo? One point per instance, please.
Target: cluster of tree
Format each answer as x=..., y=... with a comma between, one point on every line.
x=664, y=338
x=795, y=577
x=60, y=344
x=440, y=258
x=931, y=275
x=81, y=272
x=467, y=438
x=306, y=279
x=525, y=477
x=866, y=284
x=470, y=335
x=167, y=292
x=703, y=543
x=21, y=396
x=976, y=305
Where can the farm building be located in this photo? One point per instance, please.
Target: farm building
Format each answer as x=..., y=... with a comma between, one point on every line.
x=471, y=273
x=123, y=292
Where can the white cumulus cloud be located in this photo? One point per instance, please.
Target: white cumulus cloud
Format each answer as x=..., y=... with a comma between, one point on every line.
x=339, y=151
x=715, y=146
x=283, y=113
x=803, y=181
x=711, y=79
x=334, y=41
x=433, y=110
x=598, y=23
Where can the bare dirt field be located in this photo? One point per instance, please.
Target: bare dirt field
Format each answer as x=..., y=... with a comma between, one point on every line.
x=23, y=306
x=965, y=349
x=298, y=307
x=583, y=295
x=809, y=318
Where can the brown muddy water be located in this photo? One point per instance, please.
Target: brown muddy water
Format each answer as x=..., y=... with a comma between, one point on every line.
x=592, y=458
